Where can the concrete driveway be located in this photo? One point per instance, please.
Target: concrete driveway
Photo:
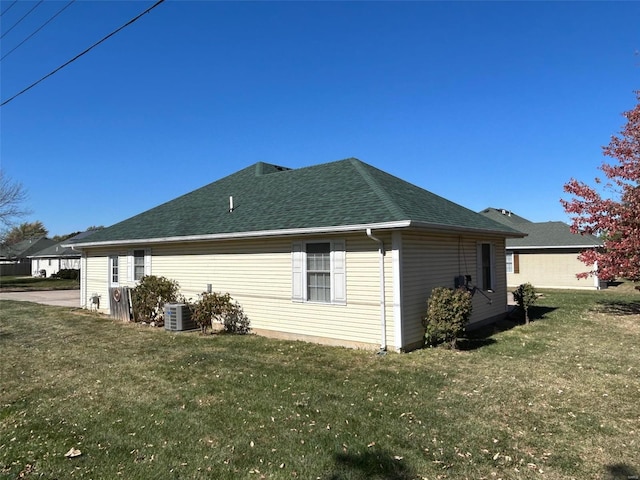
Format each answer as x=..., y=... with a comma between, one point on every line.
x=59, y=298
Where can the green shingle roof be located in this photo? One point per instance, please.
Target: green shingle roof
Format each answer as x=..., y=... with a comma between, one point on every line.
x=25, y=247
x=540, y=234
x=61, y=249
x=269, y=198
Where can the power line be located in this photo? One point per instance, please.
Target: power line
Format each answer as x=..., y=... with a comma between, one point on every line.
x=21, y=18
x=7, y=9
x=81, y=53
x=37, y=30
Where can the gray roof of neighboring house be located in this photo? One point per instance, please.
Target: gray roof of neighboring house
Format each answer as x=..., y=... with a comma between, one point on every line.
x=540, y=234
x=26, y=247
x=273, y=200
x=60, y=250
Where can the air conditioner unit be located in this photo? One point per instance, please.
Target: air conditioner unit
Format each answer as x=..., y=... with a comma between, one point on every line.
x=177, y=317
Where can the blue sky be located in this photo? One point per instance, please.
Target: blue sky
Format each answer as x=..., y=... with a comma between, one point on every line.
x=486, y=104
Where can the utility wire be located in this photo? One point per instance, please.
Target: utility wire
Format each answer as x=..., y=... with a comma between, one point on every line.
x=21, y=18
x=81, y=53
x=7, y=9
x=37, y=30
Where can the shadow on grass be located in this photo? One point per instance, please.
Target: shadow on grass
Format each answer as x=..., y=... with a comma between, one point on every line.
x=619, y=307
x=481, y=337
x=536, y=312
x=621, y=471
x=371, y=464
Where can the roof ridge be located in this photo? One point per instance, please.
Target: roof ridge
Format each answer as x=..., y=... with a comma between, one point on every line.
x=380, y=192
x=264, y=168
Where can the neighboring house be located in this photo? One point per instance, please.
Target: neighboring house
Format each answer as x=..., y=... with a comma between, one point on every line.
x=548, y=256
x=57, y=257
x=14, y=259
x=339, y=253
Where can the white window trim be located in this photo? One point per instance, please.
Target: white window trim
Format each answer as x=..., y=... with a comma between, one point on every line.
x=299, y=291
x=509, y=264
x=111, y=283
x=130, y=264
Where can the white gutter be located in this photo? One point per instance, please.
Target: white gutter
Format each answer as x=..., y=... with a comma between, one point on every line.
x=549, y=247
x=239, y=235
x=291, y=231
x=383, y=315
x=453, y=228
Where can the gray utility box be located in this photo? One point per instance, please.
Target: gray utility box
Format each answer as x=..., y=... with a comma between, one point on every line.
x=177, y=317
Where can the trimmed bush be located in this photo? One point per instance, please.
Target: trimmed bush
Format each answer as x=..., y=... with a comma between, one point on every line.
x=65, y=274
x=149, y=297
x=219, y=308
x=448, y=312
x=525, y=296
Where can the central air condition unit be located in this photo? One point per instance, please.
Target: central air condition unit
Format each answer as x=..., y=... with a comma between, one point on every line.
x=177, y=317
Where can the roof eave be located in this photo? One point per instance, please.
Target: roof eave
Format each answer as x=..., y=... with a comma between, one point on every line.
x=550, y=247
x=443, y=227
x=246, y=235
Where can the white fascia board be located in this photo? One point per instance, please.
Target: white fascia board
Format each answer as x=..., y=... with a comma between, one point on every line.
x=242, y=235
x=549, y=247
x=442, y=227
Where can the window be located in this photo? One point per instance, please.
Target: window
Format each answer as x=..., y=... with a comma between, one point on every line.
x=513, y=262
x=138, y=264
x=486, y=266
x=113, y=270
x=318, y=272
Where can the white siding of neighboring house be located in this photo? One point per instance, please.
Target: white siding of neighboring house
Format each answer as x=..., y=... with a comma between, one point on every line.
x=550, y=269
x=258, y=274
x=53, y=265
x=434, y=260
x=70, y=263
x=49, y=265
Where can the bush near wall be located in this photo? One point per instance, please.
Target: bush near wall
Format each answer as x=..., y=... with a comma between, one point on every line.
x=219, y=308
x=150, y=295
x=448, y=312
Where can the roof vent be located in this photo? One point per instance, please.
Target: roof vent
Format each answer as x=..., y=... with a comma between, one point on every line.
x=231, y=207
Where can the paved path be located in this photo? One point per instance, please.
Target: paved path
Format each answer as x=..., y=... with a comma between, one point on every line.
x=60, y=298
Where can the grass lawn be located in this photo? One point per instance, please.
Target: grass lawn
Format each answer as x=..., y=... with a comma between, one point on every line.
x=557, y=399
x=14, y=284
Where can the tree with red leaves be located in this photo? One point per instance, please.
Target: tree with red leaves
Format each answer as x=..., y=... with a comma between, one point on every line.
x=616, y=218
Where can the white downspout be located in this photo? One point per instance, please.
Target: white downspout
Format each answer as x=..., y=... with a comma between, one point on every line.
x=383, y=315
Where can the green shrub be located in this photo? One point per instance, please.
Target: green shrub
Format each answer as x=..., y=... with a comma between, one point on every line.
x=448, y=312
x=67, y=274
x=149, y=297
x=525, y=296
x=219, y=308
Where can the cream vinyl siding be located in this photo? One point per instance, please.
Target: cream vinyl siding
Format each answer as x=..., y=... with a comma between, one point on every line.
x=97, y=275
x=258, y=274
x=551, y=269
x=434, y=260
x=96, y=280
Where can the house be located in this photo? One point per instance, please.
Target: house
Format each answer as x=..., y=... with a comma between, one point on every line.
x=14, y=259
x=548, y=256
x=57, y=257
x=340, y=253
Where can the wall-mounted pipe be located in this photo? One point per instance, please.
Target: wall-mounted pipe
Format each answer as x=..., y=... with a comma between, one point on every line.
x=383, y=309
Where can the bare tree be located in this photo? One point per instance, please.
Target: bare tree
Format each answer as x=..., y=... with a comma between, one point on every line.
x=12, y=197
